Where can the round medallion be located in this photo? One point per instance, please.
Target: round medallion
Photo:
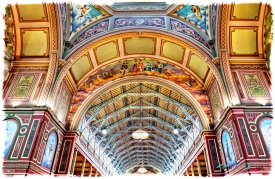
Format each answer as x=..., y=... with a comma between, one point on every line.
x=253, y=127
x=23, y=130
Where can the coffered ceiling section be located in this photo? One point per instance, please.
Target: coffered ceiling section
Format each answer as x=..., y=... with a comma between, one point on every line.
x=123, y=48
x=245, y=32
x=32, y=12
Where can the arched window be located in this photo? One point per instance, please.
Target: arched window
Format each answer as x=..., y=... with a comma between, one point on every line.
x=49, y=151
x=10, y=130
x=266, y=127
x=228, y=149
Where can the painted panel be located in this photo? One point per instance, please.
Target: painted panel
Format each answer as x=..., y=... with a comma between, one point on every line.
x=39, y=140
x=49, y=151
x=30, y=139
x=65, y=155
x=32, y=12
x=195, y=13
x=182, y=28
x=254, y=85
x=39, y=87
x=23, y=86
x=62, y=103
x=214, y=154
x=82, y=63
x=238, y=84
x=228, y=149
x=17, y=147
x=216, y=101
x=139, y=21
x=82, y=14
x=172, y=51
x=92, y=31
x=258, y=144
x=197, y=65
x=266, y=128
x=245, y=137
x=139, y=45
x=106, y=52
x=249, y=11
x=10, y=131
x=35, y=42
x=243, y=41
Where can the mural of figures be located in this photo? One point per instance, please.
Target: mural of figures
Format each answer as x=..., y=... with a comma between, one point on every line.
x=83, y=13
x=266, y=128
x=10, y=130
x=23, y=86
x=195, y=13
x=49, y=151
x=228, y=149
x=254, y=85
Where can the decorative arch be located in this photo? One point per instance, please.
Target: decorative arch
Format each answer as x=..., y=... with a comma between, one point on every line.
x=77, y=114
x=49, y=150
x=11, y=128
x=228, y=151
x=265, y=126
x=186, y=42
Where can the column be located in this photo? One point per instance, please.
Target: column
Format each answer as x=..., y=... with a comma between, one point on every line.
x=192, y=170
x=91, y=171
x=96, y=173
x=187, y=172
x=73, y=163
x=83, y=167
x=199, y=167
x=206, y=162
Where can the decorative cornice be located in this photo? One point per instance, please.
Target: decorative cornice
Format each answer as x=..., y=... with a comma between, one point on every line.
x=248, y=66
x=29, y=68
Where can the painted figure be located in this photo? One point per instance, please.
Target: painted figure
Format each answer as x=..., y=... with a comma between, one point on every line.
x=196, y=9
x=125, y=68
x=135, y=66
x=49, y=151
x=148, y=66
x=83, y=9
x=10, y=130
x=228, y=149
x=266, y=128
x=140, y=65
x=159, y=67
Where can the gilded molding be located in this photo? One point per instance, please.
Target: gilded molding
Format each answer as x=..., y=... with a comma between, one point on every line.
x=229, y=81
x=53, y=26
x=223, y=26
x=49, y=78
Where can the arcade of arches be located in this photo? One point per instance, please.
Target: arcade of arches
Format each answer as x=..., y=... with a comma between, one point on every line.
x=192, y=82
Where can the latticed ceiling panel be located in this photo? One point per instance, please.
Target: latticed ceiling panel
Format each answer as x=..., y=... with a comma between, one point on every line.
x=153, y=108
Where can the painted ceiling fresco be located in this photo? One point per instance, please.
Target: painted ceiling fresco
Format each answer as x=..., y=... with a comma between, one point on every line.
x=195, y=13
x=82, y=13
x=141, y=66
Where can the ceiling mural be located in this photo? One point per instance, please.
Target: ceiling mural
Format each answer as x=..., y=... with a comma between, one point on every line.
x=195, y=13
x=139, y=6
x=82, y=13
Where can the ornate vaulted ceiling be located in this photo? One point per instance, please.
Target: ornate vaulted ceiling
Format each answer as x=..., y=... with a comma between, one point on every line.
x=137, y=65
